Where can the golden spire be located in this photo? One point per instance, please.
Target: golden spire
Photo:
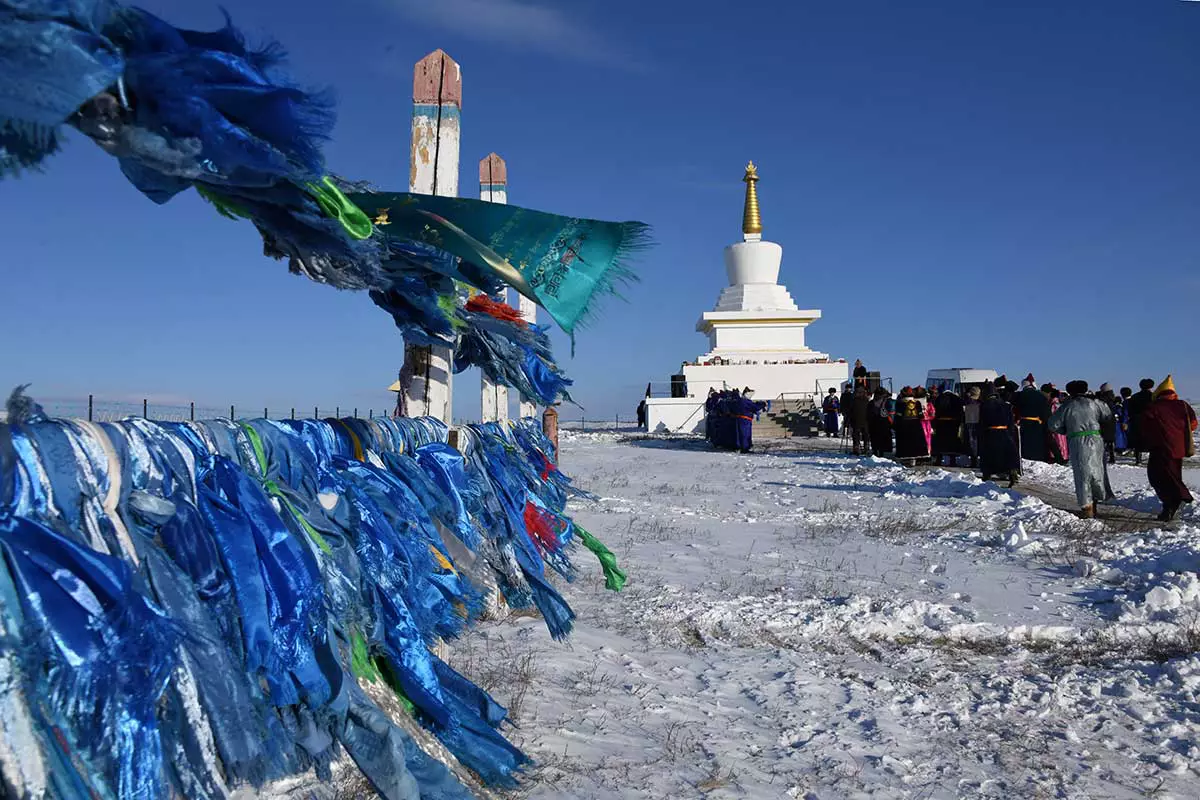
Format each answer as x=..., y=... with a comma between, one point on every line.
x=751, y=221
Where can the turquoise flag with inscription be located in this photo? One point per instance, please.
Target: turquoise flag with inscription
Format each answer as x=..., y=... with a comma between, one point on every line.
x=563, y=263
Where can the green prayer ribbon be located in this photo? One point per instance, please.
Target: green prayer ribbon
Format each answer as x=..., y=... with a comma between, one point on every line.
x=273, y=489
x=224, y=207
x=1081, y=434
x=614, y=578
x=374, y=668
x=337, y=206
x=361, y=662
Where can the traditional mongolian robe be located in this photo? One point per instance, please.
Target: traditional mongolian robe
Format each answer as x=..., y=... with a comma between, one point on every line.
x=1032, y=409
x=997, y=447
x=744, y=412
x=1121, y=441
x=947, y=424
x=1081, y=419
x=1167, y=427
x=927, y=415
x=829, y=414
x=1059, y=451
x=910, y=429
x=1138, y=405
x=880, y=427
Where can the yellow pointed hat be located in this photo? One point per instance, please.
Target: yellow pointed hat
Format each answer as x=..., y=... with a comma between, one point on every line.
x=396, y=387
x=1166, y=386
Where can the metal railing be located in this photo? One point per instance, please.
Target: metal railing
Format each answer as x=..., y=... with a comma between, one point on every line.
x=615, y=424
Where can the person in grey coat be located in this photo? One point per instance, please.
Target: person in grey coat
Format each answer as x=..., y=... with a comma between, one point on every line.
x=1081, y=419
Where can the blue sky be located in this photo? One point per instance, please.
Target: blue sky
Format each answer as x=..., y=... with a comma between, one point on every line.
x=954, y=183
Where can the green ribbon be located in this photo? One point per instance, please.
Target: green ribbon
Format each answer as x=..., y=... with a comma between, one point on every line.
x=375, y=668
x=1081, y=434
x=361, y=662
x=337, y=206
x=224, y=207
x=273, y=489
x=614, y=578
x=332, y=201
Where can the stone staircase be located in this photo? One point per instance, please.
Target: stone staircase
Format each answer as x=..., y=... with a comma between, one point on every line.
x=787, y=418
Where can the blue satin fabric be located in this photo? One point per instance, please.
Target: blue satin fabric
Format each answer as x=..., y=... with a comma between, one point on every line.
x=101, y=659
x=53, y=58
x=262, y=549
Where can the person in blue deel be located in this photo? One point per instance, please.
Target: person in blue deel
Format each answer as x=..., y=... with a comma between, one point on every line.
x=745, y=410
x=829, y=413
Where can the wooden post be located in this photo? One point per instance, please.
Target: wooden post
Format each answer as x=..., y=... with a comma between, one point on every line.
x=550, y=428
x=433, y=169
x=89, y=408
x=293, y=413
x=315, y=414
x=192, y=411
x=145, y=410
x=493, y=188
x=265, y=414
x=231, y=417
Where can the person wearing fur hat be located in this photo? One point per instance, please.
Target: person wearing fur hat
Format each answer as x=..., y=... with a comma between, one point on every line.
x=880, y=423
x=829, y=413
x=947, y=427
x=910, y=435
x=1081, y=419
x=1139, y=404
x=1167, y=433
x=1032, y=409
x=997, y=443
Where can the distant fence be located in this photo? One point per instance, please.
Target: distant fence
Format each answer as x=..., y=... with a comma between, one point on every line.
x=614, y=424
x=98, y=410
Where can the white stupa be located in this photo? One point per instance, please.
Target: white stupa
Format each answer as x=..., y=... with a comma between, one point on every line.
x=755, y=334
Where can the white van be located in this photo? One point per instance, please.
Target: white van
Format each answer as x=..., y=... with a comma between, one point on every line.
x=958, y=380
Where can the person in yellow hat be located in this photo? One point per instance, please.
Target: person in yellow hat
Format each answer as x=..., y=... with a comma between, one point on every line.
x=1167, y=433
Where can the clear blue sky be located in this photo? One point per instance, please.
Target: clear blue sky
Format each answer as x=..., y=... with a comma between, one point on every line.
x=1012, y=185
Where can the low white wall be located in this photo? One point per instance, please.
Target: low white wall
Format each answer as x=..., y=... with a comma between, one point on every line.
x=675, y=414
x=768, y=380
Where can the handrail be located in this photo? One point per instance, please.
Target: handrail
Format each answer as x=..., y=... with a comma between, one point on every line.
x=724, y=386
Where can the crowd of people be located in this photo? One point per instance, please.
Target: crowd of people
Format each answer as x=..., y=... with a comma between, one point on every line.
x=997, y=424
x=729, y=417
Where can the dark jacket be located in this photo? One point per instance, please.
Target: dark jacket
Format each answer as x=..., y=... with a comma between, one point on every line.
x=860, y=410
x=1137, y=406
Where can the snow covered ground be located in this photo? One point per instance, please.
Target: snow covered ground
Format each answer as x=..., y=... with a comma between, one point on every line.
x=812, y=625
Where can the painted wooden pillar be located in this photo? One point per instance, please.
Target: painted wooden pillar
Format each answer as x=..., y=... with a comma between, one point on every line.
x=493, y=188
x=528, y=310
x=433, y=169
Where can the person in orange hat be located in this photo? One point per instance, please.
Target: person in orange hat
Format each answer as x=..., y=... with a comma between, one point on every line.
x=1167, y=433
